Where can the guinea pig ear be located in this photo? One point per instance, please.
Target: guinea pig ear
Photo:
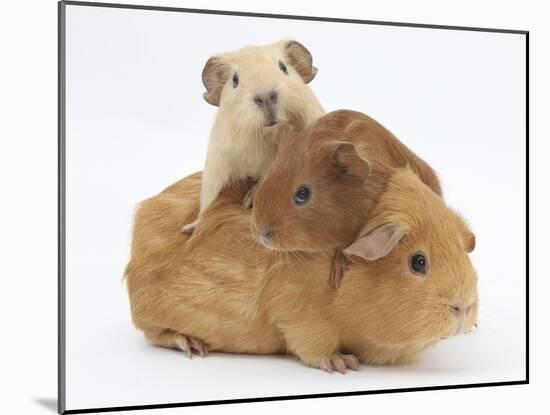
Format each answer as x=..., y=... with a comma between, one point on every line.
x=377, y=243
x=345, y=156
x=300, y=59
x=214, y=76
x=469, y=241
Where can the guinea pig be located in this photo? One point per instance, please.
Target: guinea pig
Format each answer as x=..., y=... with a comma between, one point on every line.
x=256, y=89
x=410, y=282
x=324, y=181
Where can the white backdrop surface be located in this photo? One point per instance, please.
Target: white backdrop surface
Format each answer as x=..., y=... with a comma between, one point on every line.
x=136, y=122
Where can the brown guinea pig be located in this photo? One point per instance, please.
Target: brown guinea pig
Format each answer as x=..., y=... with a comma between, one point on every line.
x=410, y=281
x=324, y=181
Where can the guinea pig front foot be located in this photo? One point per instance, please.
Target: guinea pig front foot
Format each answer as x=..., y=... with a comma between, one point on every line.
x=247, y=202
x=338, y=362
x=190, y=344
x=189, y=228
x=338, y=268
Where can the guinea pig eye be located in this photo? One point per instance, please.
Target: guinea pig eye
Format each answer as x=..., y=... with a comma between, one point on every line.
x=235, y=80
x=418, y=263
x=302, y=195
x=283, y=68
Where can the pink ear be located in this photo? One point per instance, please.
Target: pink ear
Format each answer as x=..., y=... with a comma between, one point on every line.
x=377, y=243
x=214, y=75
x=470, y=243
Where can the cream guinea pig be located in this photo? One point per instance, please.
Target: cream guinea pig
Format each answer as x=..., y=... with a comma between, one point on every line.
x=409, y=284
x=256, y=89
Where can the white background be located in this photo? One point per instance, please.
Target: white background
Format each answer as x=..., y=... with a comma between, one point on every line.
x=29, y=212
x=136, y=122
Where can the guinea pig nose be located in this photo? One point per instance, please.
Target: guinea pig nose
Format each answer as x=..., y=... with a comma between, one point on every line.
x=264, y=236
x=273, y=97
x=459, y=308
x=266, y=100
x=266, y=232
x=456, y=309
x=259, y=101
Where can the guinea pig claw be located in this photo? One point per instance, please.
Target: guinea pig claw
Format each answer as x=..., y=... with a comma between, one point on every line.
x=247, y=202
x=189, y=344
x=189, y=228
x=338, y=269
x=199, y=347
x=326, y=365
x=183, y=343
x=351, y=361
x=339, y=363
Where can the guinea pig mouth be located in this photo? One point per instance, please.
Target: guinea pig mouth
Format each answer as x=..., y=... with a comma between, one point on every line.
x=270, y=117
x=461, y=328
x=265, y=241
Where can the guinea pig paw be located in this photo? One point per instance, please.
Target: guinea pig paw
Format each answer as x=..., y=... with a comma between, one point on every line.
x=247, y=202
x=339, y=362
x=338, y=269
x=189, y=344
x=189, y=228
x=471, y=329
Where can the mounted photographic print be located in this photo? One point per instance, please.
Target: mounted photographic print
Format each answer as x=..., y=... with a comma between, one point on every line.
x=258, y=207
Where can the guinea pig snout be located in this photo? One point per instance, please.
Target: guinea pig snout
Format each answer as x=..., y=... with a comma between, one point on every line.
x=267, y=103
x=264, y=235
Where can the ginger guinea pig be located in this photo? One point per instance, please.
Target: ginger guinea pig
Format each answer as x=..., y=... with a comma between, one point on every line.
x=409, y=284
x=411, y=259
x=256, y=89
x=324, y=181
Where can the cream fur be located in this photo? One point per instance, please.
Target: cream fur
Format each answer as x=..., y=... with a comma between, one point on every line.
x=240, y=144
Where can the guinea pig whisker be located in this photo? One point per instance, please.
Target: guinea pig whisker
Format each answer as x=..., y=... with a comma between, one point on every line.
x=289, y=261
x=299, y=258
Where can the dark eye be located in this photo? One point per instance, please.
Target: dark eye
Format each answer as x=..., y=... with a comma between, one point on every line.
x=283, y=68
x=418, y=263
x=235, y=80
x=302, y=195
